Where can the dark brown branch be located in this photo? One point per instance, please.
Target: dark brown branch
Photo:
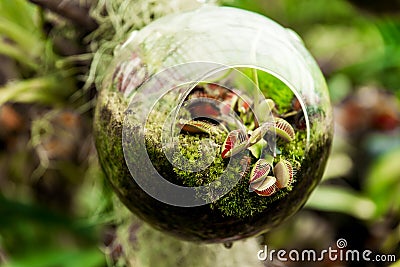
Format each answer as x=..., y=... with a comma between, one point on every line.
x=69, y=10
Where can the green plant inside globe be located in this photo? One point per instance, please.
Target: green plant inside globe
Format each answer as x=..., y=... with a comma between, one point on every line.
x=250, y=144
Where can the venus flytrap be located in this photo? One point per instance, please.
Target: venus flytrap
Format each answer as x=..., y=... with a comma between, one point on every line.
x=235, y=142
x=260, y=170
x=284, y=173
x=260, y=182
x=264, y=187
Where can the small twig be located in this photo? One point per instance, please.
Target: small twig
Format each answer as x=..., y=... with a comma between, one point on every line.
x=69, y=10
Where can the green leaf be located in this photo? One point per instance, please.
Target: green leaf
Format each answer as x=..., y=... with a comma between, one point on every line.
x=15, y=53
x=12, y=211
x=20, y=12
x=382, y=183
x=52, y=89
x=90, y=257
x=334, y=199
x=339, y=164
x=251, y=5
x=30, y=42
x=257, y=148
x=275, y=89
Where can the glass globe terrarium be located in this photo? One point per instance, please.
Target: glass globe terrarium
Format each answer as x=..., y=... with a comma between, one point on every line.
x=213, y=125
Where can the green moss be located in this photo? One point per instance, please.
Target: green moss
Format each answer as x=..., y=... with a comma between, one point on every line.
x=108, y=131
x=190, y=149
x=242, y=203
x=293, y=151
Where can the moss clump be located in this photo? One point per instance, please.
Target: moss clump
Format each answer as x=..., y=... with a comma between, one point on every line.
x=293, y=151
x=109, y=143
x=190, y=148
x=241, y=203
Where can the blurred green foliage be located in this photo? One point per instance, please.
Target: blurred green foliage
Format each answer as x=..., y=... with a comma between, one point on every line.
x=59, y=217
x=39, y=68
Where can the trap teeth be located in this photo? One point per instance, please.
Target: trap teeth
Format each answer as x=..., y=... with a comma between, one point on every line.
x=195, y=127
x=264, y=187
x=284, y=130
x=283, y=172
x=235, y=142
x=260, y=170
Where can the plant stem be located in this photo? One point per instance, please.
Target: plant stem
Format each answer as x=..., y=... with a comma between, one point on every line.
x=255, y=78
x=26, y=40
x=15, y=53
x=45, y=90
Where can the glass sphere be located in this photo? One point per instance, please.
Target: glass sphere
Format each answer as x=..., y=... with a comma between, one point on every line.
x=213, y=125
